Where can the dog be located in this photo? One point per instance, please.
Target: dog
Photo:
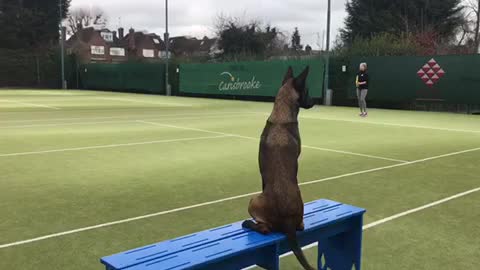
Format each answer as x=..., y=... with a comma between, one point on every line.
x=279, y=208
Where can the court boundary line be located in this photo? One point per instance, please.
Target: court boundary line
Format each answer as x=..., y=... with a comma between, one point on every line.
x=108, y=146
x=161, y=213
x=126, y=121
x=259, y=113
x=257, y=139
x=129, y=117
x=145, y=102
x=397, y=216
x=390, y=124
x=30, y=104
x=174, y=140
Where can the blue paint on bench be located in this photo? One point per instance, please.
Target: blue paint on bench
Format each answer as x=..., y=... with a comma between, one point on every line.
x=337, y=227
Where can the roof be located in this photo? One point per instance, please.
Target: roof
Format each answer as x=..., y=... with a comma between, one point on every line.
x=133, y=40
x=85, y=35
x=187, y=45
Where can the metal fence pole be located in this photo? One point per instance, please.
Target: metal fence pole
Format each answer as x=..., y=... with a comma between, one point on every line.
x=327, y=62
x=62, y=49
x=167, y=43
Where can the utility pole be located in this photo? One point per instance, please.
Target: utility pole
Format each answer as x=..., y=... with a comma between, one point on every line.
x=167, y=43
x=62, y=50
x=327, y=64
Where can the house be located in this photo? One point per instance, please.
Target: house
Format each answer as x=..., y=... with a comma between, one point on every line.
x=104, y=46
x=143, y=47
x=184, y=46
x=96, y=45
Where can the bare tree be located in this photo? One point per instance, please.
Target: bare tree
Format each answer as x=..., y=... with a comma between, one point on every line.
x=85, y=17
x=471, y=25
x=476, y=10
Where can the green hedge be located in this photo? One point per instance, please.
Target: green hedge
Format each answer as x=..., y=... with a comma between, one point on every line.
x=23, y=68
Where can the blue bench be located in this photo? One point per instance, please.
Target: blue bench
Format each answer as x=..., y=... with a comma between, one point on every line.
x=336, y=227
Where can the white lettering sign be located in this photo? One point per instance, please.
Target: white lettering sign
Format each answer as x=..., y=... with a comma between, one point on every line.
x=97, y=50
x=149, y=53
x=237, y=84
x=117, y=51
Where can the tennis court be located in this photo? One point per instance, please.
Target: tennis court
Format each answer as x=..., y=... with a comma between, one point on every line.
x=86, y=174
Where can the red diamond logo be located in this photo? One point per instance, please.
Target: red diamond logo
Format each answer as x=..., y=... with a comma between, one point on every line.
x=431, y=73
x=441, y=73
x=425, y=78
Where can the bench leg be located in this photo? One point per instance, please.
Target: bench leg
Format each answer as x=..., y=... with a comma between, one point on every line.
x=343, y=251
x=269, y=258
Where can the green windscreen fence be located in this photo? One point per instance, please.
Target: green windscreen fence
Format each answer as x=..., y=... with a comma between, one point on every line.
x=136, y=77
x=261, y=79
x=452, y=79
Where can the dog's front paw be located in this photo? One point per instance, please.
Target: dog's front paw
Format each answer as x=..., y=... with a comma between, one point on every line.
x=248, y=224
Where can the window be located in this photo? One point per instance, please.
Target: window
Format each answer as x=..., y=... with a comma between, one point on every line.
x=97, y=50
x=117, y=51
x=108, y=37
x=156, y=40
x=148, y=53
x=162, y=54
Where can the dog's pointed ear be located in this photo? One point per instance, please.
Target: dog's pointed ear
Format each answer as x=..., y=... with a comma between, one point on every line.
x=301, y=80
x=288, y=75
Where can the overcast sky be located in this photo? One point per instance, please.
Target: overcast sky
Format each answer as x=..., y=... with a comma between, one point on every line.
x=197, y=17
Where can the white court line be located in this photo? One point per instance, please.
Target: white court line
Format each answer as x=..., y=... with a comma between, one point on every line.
x=147, y=102
x=127, y=117
x=391, y=166
x=256, y=139
x=126, y=121
x=354, y=154
x=30, y=104
x=108, y=146
x=209, y=203
x=397, y=216
x=391, y=124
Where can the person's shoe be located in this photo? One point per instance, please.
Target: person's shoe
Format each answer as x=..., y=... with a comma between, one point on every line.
x=365, y=114
x=361, y=114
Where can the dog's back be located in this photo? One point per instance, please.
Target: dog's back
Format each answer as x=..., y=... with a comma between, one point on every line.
x=278, y=160
x=280, y=206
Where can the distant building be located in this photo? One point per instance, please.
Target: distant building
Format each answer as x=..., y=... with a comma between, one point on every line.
x=93, y=45
x=184, y=46
x=144, y=47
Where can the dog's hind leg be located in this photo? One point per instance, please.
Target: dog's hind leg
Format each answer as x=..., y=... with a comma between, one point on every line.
x=258, y=210
x=262, y=228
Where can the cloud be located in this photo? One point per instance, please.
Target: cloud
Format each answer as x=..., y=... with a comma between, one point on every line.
x=197, y=18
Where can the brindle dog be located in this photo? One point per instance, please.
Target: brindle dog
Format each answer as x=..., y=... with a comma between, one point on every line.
x=279, y=208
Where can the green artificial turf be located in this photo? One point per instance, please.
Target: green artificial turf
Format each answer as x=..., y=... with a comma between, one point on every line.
x=73, y=159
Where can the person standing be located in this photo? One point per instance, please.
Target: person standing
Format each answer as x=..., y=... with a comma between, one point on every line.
x=362, y=89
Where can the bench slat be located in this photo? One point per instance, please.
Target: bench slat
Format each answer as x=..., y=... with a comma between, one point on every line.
x=164, y=249
x=248, y=241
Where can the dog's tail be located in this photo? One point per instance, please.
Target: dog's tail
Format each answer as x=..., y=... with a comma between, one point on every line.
x=291, y=232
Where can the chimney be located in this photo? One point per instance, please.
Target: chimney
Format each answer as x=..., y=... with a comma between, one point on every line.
x=114, y=35
x=120, y=33
x=131, y=31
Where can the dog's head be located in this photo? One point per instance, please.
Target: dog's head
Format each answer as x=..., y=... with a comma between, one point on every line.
x=295, y=88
